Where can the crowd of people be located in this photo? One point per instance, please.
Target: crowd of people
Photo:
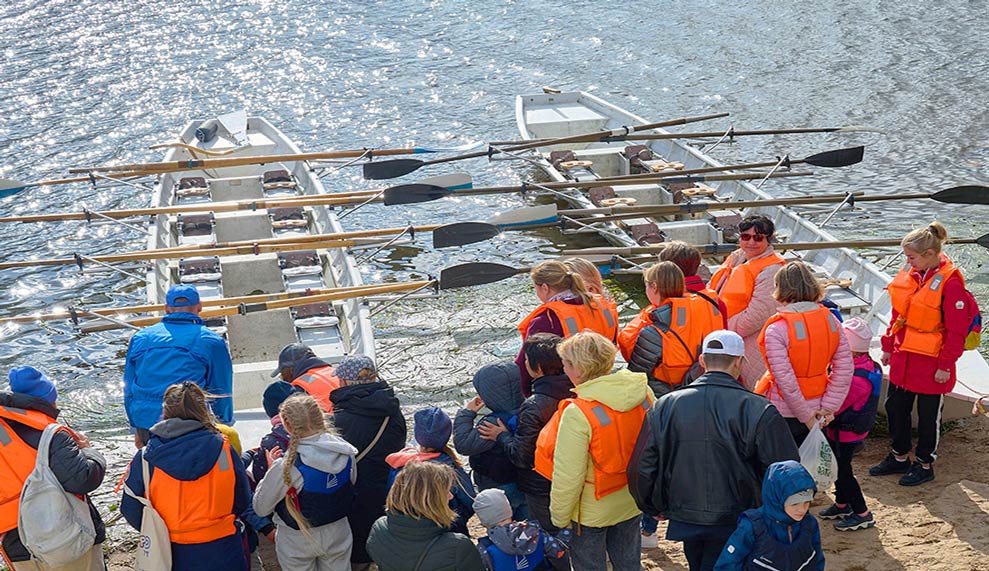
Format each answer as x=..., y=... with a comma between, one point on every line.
x=565, y=460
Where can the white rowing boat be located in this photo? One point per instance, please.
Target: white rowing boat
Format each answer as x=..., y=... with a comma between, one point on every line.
x=554, y=115
x=255, y=339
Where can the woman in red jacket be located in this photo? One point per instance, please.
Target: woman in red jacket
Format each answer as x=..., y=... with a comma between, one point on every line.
x=926, y=336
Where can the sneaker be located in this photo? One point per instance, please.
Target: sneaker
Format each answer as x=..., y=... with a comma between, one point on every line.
x=890, y=465
x=852, y=522
x=650, y=541
x=834, y=512
x=917, y=475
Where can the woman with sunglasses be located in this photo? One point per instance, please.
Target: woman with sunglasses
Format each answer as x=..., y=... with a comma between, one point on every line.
x=744, y=282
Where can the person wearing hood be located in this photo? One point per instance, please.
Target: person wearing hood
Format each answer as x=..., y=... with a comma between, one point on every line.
x=778, y=535
x=585, y=453
x=549, y=387
x=432, y=429
x=367, y=414
x=187, y=457
x=310, y=490
x=497, y=387
x=300, y=367
x=25, y=411
x=514, y=545
x=273, y=397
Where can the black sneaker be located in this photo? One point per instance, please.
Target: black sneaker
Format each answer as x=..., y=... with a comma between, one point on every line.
x=890, y=465
x=834, y=512
x=917, y=475
x=853, y=522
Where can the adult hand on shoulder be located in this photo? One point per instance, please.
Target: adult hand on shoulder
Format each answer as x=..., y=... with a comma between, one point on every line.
x=490, y=431
x=884, y=359
x=942, y=376
x=475, y=404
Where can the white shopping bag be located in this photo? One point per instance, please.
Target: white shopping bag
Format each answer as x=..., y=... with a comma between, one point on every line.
x=154, y=548
x=818, y=458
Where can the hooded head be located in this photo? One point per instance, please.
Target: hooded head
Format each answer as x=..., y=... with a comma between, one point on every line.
x=500, y=386
x=783, y=481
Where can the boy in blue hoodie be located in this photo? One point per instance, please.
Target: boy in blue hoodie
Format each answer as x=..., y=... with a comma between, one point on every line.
x=778, y=535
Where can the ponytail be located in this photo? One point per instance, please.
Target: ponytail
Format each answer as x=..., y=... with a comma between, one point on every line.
x=931, y=237
x=559, y=277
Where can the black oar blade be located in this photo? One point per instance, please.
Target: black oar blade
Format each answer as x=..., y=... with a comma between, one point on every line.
x=461, y=233
x=838, y=158
x=983, y=241
x=465, y=275
x=968, y=194
x=382, y=170
x=414, y=193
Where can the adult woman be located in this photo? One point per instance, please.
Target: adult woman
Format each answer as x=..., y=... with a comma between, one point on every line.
x=688, y=259
x=809, y=360
x=745, y=283
x=413, y=535
x=591, y=449
x=188, y=458
x=931, y=316
x=567, y=308
x=664, y=340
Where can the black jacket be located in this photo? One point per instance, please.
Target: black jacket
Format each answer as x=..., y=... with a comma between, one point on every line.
x=358, y=412
x=547, y=392
x=79, y=470
x=703, y=450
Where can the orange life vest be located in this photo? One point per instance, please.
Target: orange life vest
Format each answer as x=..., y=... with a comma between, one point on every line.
x=693, y=317
x=319, y=382
x=813, y=339
x=613, y=437
x=601, y=318
x=17, y=459
x=197, y=511
x=919, y=308
x=734, y=284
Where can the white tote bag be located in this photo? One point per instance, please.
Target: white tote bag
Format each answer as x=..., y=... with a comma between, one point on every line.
x=818, y=458
x=154, y=549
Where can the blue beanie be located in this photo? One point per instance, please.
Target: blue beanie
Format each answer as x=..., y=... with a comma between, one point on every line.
x=31, y=381
x=275, y=394
x=432, y=428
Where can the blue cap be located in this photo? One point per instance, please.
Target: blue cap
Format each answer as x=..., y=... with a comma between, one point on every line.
x=31, y=381
x=432, y=427
x=182, y=295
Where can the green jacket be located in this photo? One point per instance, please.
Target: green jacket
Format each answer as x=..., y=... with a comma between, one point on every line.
x=397, y=542
x=572, y=493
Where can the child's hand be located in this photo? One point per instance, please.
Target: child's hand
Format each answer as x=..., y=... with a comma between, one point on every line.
x=474, y=404
x=490, y=431
x=273, y=454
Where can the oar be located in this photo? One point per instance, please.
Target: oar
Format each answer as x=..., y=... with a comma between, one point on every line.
x=10, y=187
x=398, y=167
x=731, y=133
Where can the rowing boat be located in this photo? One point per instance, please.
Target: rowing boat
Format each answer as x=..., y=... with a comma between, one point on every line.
x=553, y=115
x=255, y=339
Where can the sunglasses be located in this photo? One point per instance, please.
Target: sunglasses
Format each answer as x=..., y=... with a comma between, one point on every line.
x=753, y=237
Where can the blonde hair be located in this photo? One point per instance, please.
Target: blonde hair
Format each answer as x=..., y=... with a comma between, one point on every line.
x=923, y=239
x=188, y=400
x=447, y=449
x=559, y=277
x=302, y=417
x=795, y=282
x=591, y=353
x=667, y=277
x=421, y=490
x=589, y=273
x=685, y=256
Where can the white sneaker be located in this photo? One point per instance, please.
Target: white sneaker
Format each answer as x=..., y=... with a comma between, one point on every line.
x=650, y=541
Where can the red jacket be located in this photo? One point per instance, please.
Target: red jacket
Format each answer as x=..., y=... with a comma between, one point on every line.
x=915, y=372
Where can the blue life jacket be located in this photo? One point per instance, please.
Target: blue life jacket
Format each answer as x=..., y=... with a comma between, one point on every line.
x=862, y=421
x=768, y=554
x=496, y=463
x=535, y=561
x=324, y=498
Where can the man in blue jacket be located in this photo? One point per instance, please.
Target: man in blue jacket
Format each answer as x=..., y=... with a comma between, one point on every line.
x=179, y=348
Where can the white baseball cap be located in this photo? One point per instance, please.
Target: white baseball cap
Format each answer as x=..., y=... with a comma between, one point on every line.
x=723, y=342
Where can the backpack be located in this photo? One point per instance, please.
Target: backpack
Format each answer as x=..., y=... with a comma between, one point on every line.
x=862, y=421
x=974, y=337
x=55, y=526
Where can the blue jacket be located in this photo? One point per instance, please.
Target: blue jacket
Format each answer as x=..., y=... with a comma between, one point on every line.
x=187, y=451
x=180, y=348
x=782, y=480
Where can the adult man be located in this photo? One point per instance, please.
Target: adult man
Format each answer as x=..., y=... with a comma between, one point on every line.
x=700, y=458
x=299, y=366
x=179, y=348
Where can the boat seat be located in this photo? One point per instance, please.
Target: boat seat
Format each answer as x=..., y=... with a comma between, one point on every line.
x=195, y=228
x=302, y=258
x=301, y=270
x=636, y=154
x=557, y=157
x=316, y=325
x=599, y=193
x=280, y=175
x=645, y=233
x=236, y=188
x=204, y=273
x=279, y=183
x=287, y=213
x=660, y=165
x=321, y=309
x=191, y=189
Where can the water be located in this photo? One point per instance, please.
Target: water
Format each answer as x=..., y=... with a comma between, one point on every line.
x=91, y=82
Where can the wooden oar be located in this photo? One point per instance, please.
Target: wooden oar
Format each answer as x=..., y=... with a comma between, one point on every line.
x=398, y=167
x=10, y=187
x=731, y=133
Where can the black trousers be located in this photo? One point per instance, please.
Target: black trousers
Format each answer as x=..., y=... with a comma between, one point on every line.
x=703, y=554
x=846, y=487
x=539, y=511
x=798, y=430
x=899, y=406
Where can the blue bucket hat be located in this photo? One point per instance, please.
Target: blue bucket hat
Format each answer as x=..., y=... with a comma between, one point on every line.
x=31, y=381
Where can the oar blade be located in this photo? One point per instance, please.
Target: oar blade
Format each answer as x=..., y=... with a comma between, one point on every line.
x=983, y=241
x=528, y=216
x=382, y=170
x=476, y=273
x=9, y=187
x=837, y=158
x=461, y=233
x=453, y=181
x=415, y=193
x=967, y=194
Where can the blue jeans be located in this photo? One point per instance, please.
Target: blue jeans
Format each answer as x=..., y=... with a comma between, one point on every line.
x=649, y=524
x=591, y=548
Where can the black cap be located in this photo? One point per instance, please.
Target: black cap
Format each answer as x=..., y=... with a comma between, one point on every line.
x=289, y=355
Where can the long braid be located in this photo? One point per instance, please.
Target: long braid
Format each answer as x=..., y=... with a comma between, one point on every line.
x=302, y=418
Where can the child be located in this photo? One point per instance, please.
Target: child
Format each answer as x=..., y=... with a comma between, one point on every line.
x=851, y=425
x=310, y=490
x=497, y=387
x=514, y=545
x=777, y=535
x=432, y=432
x=273, y=397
